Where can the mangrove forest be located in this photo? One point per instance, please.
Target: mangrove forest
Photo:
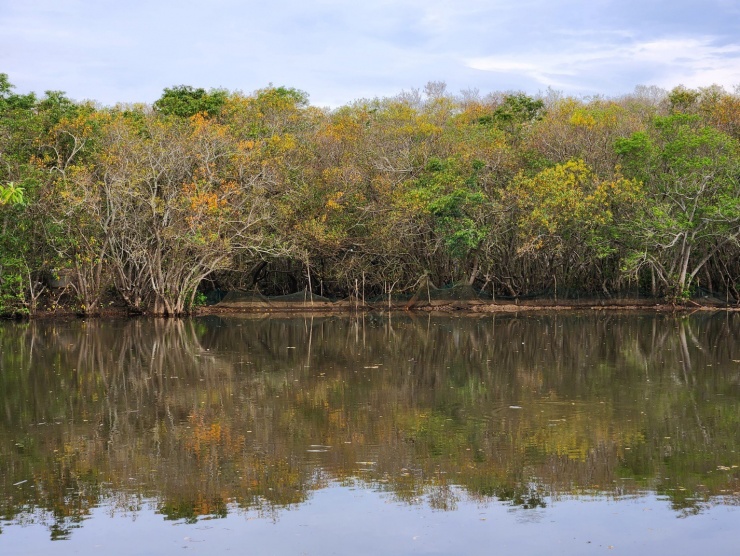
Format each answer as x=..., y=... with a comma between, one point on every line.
x=159, y=208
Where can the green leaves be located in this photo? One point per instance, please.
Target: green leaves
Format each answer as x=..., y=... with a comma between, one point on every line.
x=11, y=194
x=515, y=111
x=185, y=101
x=690, y=172
x=449, y=194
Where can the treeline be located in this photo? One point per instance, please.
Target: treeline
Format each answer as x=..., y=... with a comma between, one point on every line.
x=516, y=195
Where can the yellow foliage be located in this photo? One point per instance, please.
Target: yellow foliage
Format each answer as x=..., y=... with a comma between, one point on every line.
x=583, y=120
x=333, y=203
x=567, y=200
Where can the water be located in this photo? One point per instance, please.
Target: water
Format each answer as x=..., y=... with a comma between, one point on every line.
x=567, y=433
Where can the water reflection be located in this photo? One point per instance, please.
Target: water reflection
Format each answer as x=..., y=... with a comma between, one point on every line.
x=212, y=416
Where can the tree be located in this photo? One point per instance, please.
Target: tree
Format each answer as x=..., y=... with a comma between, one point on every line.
x=167, y=202
x=691, y=174
x=576, y=129
x=24, y=254
x=447, y=203
x=185, y=101
x=572, y=217
x=515, y=113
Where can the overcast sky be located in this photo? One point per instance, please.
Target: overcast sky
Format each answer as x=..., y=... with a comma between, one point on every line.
x=342, y=50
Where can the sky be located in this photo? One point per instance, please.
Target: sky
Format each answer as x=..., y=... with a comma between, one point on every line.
x=344, y=50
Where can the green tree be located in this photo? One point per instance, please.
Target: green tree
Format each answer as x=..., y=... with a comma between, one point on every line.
x=691, y=174
x=515, y=112
x=186, y=101
x=450, y=202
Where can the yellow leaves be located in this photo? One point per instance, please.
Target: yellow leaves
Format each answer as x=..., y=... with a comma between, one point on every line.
x=277, y=145
x=472, y=112
x=616, y=192
x=566, y=202
x=342, y=129
x=596, y=116
x=314, y=229
x=583, y=120
x=419, y=128
x=559, y=189
x=582, y=128
x=334, y=201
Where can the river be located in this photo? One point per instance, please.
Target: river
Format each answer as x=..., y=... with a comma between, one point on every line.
x=568, y=432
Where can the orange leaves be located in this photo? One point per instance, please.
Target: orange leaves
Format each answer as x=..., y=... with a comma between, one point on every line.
x=204, y=200
x=725, y=115
x=205, y=438
x=342, y=128
x=207, y=205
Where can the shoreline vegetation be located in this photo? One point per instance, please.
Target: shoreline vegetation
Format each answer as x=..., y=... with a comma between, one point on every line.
x=218, y=200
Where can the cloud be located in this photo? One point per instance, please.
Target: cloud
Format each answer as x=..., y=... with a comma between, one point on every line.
x=585, y=64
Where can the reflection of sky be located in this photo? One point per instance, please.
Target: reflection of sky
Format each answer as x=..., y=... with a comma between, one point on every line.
x=339, y=51
x=340, y=520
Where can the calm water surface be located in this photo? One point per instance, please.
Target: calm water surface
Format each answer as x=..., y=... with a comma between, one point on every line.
x=559, y=433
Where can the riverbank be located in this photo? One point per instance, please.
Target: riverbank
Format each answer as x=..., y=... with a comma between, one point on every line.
x=472, y=306
x=350, y=306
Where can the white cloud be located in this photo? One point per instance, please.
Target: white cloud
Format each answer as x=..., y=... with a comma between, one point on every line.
x=583, y=64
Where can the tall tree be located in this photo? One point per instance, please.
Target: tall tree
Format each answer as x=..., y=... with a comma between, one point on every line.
x=692, y=175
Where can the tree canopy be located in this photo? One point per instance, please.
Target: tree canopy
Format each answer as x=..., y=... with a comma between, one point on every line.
x=516, y=195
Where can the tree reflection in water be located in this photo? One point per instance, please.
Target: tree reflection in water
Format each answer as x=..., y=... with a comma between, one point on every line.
x=214, y=415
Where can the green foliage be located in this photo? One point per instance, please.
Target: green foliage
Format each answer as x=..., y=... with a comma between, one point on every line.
x=449, y=193
x=682, y=100
x=200, y=300
x=14, y=272
x=12, y=288
x=636, y=152
x=55, y=106
x=11, y=194
x=283, y=95
x=11, y=101
x=185, y=101
x=693, y=204
x=514, y=111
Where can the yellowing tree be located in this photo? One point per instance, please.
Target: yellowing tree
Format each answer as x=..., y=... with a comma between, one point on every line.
x=570, y=216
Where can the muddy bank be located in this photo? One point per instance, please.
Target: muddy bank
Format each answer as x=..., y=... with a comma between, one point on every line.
x=471, y=306
x=349, y=306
